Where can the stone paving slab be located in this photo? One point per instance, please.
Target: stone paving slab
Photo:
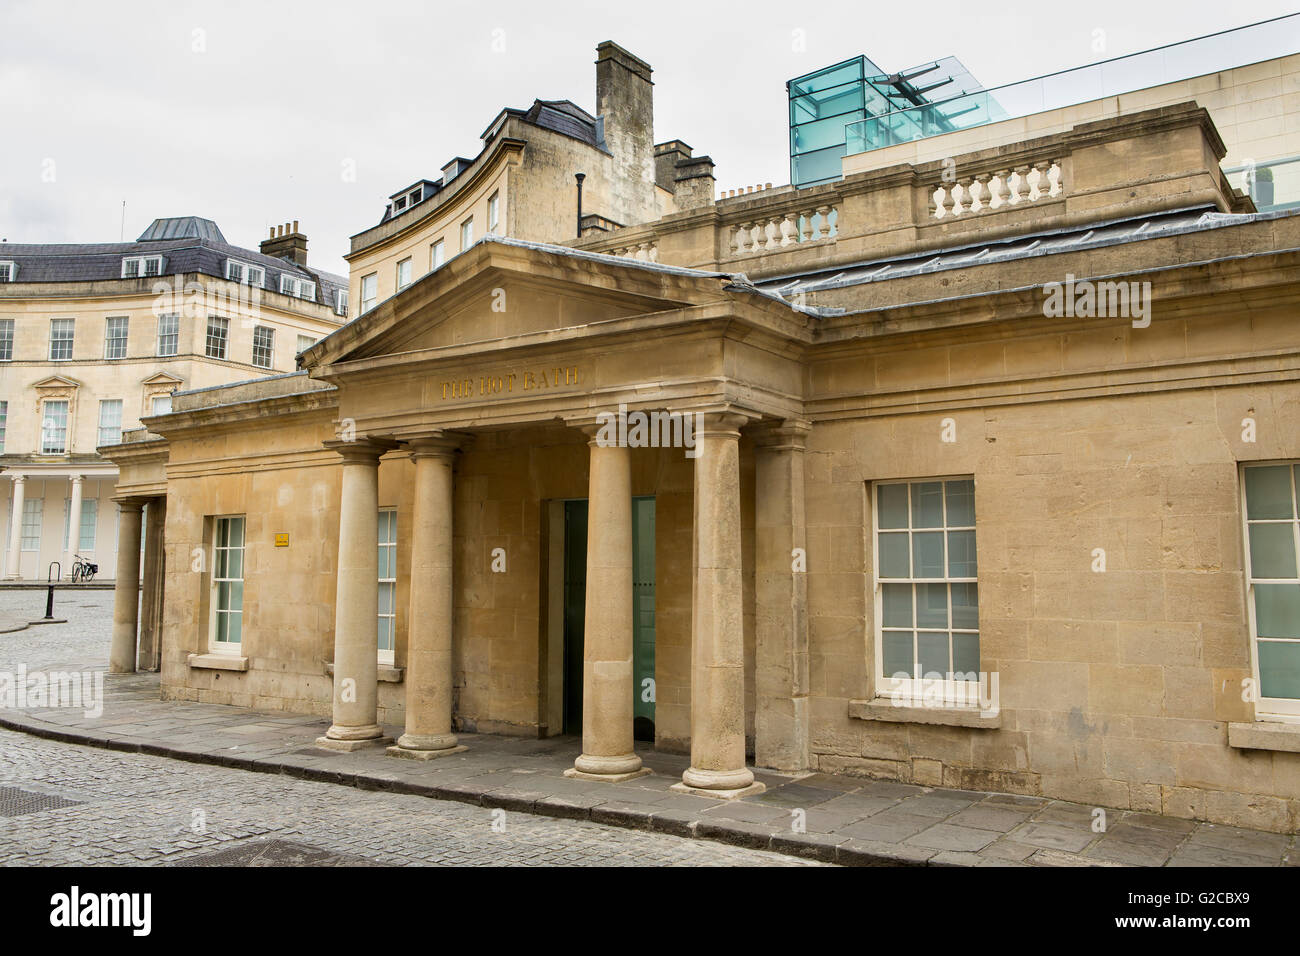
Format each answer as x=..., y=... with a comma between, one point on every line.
x=815, y=816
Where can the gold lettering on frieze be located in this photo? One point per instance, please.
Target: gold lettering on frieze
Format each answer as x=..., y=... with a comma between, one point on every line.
x=505, y=383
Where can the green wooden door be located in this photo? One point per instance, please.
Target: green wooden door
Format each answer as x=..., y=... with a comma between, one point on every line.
x=643, y=614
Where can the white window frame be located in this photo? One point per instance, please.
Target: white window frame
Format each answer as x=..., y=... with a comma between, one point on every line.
x=114, y=424
x=6, y=340
x=220, y=324
x=1281, y=709
x=268, y=346
x=4, y=423
x=33, y=507
x=8, y=270
x=373, y=300
x=304, y=343
x=386, y=654
x=245, y=273
x=467, y=234
x=400, y=283
x=46, y=445
x=169, y=329
x=142, y=267
x=221, y=575
x=60, y=325
x=341, y=302
x=437, y=254
x=111, y=324
x=914, y=688
x=494, y=211
x=165, y=399
x=298, y=288
x=89, y=515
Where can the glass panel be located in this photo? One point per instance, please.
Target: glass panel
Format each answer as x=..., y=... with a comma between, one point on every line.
x=223, y=596
x=1277, y=610
x=965, y=606
x=1272, y=550
x=892, y=506
x=961, y=554
x=893, y=556
x=932, y=605
x=236, y=627
x=927, y=558
x=385, y=633
x=961, y=503
x=235, y=563
x=1268, y=492
x=221, y=563
x=897, y=647
x=1279, y=669
x=927, y=504
x=966, y=655
x=223, y=627
x=236, y=595
x=223, y=533
x=237, y=532
x=386, y=598
x=932, y=653
x=897, y=608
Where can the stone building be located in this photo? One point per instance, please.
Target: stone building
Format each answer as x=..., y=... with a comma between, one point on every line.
x=96, y=336
x=991, y=487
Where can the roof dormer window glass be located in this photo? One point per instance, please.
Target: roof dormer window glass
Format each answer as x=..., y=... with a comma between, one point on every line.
x=133, y=267
x=8, y=271
x=244, y=273
x=298, y=288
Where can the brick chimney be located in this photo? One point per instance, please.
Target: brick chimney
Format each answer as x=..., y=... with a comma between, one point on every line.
x=286, y=242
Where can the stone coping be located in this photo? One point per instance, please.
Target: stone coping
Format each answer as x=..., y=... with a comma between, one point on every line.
x=884, y=708
x=1265, y=735
x=845, y=820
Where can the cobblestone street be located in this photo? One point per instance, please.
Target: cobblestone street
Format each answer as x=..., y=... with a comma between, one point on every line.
x=136, y=809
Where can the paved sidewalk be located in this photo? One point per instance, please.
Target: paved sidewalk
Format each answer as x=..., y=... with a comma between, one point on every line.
x=818, y=816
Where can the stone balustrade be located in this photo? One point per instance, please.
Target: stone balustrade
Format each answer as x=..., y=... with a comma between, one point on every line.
x=647, y=251
x=998, y=190
x=772, y=233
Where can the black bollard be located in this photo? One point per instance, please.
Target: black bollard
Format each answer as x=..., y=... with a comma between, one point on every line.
x=49, y=599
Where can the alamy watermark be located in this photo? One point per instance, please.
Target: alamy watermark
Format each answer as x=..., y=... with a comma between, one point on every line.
x=935, y=690
x=1084, y=298
x=78, y=689
x=638, y=429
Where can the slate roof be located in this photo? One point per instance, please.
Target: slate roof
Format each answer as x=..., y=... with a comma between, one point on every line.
x=192, y=245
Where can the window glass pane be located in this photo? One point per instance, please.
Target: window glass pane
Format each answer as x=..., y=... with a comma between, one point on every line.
x=235, y=564
x=1272, y=550
x=223, y=596
x=1279, y=669
x=1268, y=492
x=236, y=595
x=892, y=506
x=236, y=625
x=223, y=627
x=236, y=532
x=961, y=554
x=897, y=653
x=961, y=503
x=386, y=598
x=932, y=605
x=932, y=653
x=966, y=655
x=1277, y=610
x=927, y=504
x=896, y=609
x=965, y=606
x=893, y=556
x=927, y=556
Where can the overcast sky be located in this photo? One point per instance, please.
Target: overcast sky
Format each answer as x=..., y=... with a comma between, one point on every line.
x=249, y=113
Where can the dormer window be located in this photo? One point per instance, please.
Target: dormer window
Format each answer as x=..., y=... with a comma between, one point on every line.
x=415, y=197
x=399, y=204
x=298, y=288
x=245, y=274
x=133, y=267
x=8, y=271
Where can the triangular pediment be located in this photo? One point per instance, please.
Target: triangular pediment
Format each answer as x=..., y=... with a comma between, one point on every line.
x=57, y=381
x=162, y=378
x=502, y=288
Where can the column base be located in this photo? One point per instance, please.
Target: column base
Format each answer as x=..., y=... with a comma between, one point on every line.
x=575, y=774
x=734, y=794
x=410, y=753
x=348, y=739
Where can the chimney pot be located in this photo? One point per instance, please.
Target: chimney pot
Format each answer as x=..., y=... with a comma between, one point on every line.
x=295, y=222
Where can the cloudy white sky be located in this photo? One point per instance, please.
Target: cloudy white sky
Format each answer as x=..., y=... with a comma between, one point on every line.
x=247, y=112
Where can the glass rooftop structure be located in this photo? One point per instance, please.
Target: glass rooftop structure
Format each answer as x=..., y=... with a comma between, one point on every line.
x=826, y=104
x=853, y=107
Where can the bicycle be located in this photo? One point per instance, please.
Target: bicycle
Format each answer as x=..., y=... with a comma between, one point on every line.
x=83, y=570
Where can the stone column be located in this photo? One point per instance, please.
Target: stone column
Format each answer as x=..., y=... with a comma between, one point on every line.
x=126, y=592
x=607, y=751
x=717, y=621
x=16, y=528
x=429, y=627
x=356, y=602
x=151, y=594
x=781, y=718
x=74, y=527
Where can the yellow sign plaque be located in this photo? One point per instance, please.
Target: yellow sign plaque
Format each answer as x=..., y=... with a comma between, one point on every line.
x=282, y=539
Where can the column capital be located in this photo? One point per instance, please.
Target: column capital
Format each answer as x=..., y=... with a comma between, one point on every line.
x=18, y=479
x=361, y=451
x=76, y=479
x=131, y=504
x=719, y=422
x=435, y=445
x=781, y=434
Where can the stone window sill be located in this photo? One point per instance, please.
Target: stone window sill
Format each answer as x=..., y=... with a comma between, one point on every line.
x=1265, y=735
x=217, y=662
x=884, y=709
x=388, y=674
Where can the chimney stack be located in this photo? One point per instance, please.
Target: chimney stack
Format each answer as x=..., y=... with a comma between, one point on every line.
x=287, y=243
x=625, y=99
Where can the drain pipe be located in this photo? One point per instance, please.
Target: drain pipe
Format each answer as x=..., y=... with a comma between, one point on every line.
x=579, y=177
